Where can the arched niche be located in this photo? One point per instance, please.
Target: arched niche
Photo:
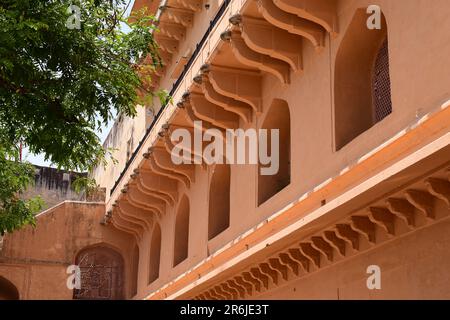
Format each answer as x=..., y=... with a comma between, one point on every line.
x=277, y=118
x=155, y=254
x=8, y=291
x=181, y=241
x=219, y=200
x=362, y=87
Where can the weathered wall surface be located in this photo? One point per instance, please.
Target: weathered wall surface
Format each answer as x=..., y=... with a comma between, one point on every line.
x=35, y=259
x=53, y=186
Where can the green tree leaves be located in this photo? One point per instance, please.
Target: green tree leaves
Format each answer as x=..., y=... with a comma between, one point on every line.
x=58, y=86
x=15, y=177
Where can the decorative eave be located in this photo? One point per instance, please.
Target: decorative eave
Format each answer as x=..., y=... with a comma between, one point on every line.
x=152, y=5
x=222, y=89
x=222, y=86
x=173, y=17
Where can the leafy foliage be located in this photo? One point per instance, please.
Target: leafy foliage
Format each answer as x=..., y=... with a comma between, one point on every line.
x=86, y=184
x=15, y=177
x=58, y=86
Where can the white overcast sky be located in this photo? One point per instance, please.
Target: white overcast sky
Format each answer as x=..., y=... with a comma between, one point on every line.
x=103, y=133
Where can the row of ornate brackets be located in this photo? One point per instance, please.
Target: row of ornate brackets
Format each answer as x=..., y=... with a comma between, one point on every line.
x=145, y=218
x=154, y=182
x=239, y=84
x=262, y=37
x=212, y=113
x=190, y=116
x=322, y=12
x=195, y=112
x=149, y=191
x=167, y=44
x=172, y=30
x=180, y=16
x=439, y=188
x=189, y=153
x=136, y=225
x=242, y=109
x=142, y=200
x=238, y=287
x=124, y=226
x=292, y=23
x=163, y=159
x=154, y=193
x=194, y=5
x=194, y=115
x=156, y=168
x=247, y=56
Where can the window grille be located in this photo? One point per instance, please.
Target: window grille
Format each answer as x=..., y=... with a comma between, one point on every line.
x=381, y=85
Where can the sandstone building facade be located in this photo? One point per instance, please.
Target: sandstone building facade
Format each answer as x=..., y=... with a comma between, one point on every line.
x=363, y=183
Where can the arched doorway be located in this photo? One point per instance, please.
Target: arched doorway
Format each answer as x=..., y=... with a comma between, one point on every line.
x=101, y=274
x=8, y=290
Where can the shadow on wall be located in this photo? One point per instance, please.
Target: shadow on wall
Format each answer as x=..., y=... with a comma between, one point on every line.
x=8, y=290
x=181, y=245
x=278, y=118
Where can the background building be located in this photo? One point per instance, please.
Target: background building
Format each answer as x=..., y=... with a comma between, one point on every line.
x=364, y=173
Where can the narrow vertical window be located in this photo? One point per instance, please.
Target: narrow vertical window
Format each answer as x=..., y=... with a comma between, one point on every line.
x=181, y=244
x=219, y=200
x=277, y=118
x=135, y=271
x=381, y=85
x=155, y=254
